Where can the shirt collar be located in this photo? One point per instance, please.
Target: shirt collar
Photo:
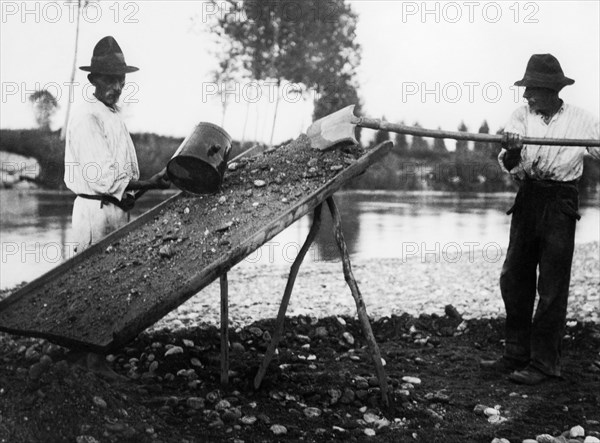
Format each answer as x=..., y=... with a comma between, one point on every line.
x=98, y=103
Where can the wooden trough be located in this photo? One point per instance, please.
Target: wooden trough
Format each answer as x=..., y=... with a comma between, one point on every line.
x=102, y=298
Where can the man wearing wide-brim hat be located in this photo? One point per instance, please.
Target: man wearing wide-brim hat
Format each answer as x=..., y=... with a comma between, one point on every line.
x=100, y=161
x=101, y=165
x=543, y=222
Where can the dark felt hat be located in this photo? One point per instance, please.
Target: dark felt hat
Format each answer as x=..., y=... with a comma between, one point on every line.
x=108, y=59
x=544, y=71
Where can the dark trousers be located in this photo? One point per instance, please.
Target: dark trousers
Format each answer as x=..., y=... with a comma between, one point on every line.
x=542, y=235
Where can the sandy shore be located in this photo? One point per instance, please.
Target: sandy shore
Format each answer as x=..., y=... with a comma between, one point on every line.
x=388, y=286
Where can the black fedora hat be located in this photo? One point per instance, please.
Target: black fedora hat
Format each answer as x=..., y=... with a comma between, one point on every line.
x=544, y=71
x=108, y=59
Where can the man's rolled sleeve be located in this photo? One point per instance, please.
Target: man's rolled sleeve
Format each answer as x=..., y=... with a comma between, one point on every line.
x=594, y=135
x=516, y=124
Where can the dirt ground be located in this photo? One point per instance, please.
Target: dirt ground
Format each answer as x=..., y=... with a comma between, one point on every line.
x=321, y=386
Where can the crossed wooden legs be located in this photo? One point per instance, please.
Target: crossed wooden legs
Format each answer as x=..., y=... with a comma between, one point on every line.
x=349, y=277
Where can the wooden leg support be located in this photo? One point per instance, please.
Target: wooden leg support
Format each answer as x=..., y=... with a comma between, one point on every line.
x=224, y=330
x=360, y=304
x=314, y=229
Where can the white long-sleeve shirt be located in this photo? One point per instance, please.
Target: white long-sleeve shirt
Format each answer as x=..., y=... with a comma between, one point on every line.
x=558, y=163
x=100, y=158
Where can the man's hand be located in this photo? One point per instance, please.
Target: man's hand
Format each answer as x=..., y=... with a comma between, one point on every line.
x=127, y=202
x=160, y=180
x=512, y=141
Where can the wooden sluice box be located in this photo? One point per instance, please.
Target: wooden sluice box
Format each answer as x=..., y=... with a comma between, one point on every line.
x=102, y=298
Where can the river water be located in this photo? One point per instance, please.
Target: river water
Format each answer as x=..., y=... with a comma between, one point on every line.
x=35, y=228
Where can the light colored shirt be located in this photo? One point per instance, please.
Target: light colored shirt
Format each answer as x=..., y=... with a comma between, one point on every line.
x=100, y=158
x=558, y=163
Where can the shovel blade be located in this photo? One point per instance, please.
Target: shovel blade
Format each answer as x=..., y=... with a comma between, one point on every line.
x=333, y=129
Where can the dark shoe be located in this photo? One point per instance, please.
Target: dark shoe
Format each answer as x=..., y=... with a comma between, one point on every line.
x=529, y=376
x=502, y=364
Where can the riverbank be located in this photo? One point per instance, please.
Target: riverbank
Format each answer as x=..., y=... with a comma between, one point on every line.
x=321, y=384
x=418, y=285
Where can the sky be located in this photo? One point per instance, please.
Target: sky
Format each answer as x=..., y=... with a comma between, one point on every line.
x=435, y=63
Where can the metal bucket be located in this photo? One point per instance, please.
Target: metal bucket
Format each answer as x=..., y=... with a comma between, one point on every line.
x=199, y=164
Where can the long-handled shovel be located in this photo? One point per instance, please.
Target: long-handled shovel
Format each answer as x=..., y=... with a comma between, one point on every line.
x=339, y=128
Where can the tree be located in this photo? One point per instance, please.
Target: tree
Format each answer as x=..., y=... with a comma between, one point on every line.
x=400, y=145
x=462, y=146
x=80, y=4
x=309, y=43
x=483, y=147
x=419, y=145
x=44, y=106
x=381, y=136
x=439, y=145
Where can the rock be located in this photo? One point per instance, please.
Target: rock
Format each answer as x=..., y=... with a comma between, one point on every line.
x=236, y=346
x=491, y=412
x=312, y=412
x=217, y=423
x=257, y=332
x=361, y=394
x=37, y=370
x=361, y=383
x=99, y=401
x=369, y=432
x=349, y=338
x=232, y=414
x=500, y=440
x=591, y=439
x=264, y=418
x=248, y=420
x=373, y=381
x=86, y=439
x=496, y=419
x=529, y=440
x=188, y=343
x=411, y=380
x=166, y=251
x=278, y=429
x=577, y=431
x=336, y=168
x=335, y=395
x=437, y=397
x=195, y=362
x=195, y=403
x=452, y=312
x=174, y=351
x=31, y=353
x=369, y=417
x=222, y=405
x=321, y=331
x=348, y=396
x=544, y=438
x=260, y=183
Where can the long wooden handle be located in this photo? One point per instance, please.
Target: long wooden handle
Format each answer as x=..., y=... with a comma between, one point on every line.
x=373, y=123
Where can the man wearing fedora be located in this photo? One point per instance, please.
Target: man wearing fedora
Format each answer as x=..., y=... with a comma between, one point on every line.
x=101, y=165
x=542, y=229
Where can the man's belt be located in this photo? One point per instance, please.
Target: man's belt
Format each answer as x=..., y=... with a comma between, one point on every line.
x=126, y=204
